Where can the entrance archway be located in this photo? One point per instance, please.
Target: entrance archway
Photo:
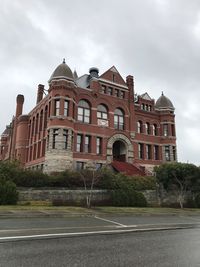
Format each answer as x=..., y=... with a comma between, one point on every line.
x=119, y=151
x=119, y=146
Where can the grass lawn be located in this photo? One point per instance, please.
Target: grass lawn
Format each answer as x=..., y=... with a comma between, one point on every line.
x=42, y=206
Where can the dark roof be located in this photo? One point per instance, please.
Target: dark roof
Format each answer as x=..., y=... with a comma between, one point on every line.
x=63, y=71
x=83, y=81
x=164, y=102
x=6, y=131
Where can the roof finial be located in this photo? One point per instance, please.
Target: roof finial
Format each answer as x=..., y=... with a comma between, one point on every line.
x=162, y=93
x=63, y=60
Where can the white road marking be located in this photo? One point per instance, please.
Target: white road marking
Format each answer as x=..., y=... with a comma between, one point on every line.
x=102, y=219
x=17, y=238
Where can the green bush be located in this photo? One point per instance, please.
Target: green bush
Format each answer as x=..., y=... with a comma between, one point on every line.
x=110, y=180
x=8, y=192
x=66, y=178
x=128, y=198
x=197, y=200
x=29, y=178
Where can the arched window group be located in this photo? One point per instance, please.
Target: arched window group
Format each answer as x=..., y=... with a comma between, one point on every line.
x=37, y=128
x=84, y=114
x=147, y=127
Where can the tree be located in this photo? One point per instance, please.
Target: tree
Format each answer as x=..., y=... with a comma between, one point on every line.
x=178, y=177
x=90, y=177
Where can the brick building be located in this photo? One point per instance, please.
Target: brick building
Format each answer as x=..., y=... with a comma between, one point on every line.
x=91, y=119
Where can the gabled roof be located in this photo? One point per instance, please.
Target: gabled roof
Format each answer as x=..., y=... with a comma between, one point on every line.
x=146, y=96
x=113, y=75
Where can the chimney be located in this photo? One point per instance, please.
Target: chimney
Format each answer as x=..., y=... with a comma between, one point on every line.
x=94, y=72
x=19, y=108
x=130, y=84
x=40, y=93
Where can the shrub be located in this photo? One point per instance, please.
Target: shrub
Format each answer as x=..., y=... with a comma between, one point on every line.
x=110, y=180
x=66, y=178
x=197, y=200
x=128, y=198
x=29, y=178
x=8, y=192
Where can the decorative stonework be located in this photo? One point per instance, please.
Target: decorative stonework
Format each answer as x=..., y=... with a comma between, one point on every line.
x=59, y=158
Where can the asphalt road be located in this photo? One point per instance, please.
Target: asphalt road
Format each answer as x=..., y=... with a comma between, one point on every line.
x=160, y=248
x=111, y=240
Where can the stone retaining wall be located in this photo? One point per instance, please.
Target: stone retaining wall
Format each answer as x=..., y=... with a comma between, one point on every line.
x=75, y=196
x=101, y=197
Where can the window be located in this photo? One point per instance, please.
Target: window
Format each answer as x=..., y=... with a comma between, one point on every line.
x=83, y=111
x=79, y=165
x=174, y=153
x=45, y=117
x=57, y=107
x=36, y=123
x=55, y=136
x=165, y=129
x=102, y=112
x=117, y=92
x=149, y=108
x=87, y=144
x=41, y=120
x=173, y=129
x=154, y=129
x=139, y=126
x=33, y=126
x=122, y=94
x=99, y=145
x=147, y=127
x=65, y=135
x=38, y=149
x=109, y=92
x=148, y=151
x=140, y=151
x=103, y=89
x=98, y=166
x=66, y=107
x=79, y=143
x=48, y=139
x=167, y=153
x=119, y=119
x=156, y=152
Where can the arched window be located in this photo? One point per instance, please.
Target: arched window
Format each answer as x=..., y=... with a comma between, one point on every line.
x=147, y=127
x=41, y=120
x=57, y=107
x=84, y=111
x=102, y=112
x=119, y=119
x=139, y=127
x=155, y=129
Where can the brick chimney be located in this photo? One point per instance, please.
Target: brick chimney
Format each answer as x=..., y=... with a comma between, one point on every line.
x=40, y=93
x=19, y=108
x=130, y=84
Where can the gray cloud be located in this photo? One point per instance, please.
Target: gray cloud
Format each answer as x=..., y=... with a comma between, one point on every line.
x=157, y=41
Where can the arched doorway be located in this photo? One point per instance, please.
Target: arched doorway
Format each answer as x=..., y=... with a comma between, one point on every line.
x=117, y=146
x=119, y=151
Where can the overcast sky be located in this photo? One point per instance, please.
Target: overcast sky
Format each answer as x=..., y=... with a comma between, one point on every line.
x=156, y=41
